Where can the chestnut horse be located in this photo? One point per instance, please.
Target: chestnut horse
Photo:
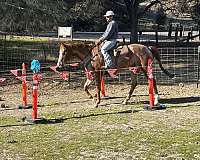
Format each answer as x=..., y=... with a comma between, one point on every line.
x=132, y=55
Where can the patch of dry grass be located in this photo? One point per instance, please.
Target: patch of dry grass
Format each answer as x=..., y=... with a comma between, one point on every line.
x=77, y=130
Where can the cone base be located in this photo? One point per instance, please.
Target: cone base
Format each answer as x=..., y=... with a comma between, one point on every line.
x=29, y=106
x=153, y=108
x=105, y=97
x=36, y=121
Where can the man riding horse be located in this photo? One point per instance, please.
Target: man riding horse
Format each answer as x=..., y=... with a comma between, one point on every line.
x=130, y=55
x=109, y=39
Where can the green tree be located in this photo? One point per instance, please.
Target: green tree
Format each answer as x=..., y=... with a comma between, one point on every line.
x=32, y=15
x=84, y=15
x=134, y=13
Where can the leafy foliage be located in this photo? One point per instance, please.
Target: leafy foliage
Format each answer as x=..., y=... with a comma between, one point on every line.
x=84, y=15
x=37, y=16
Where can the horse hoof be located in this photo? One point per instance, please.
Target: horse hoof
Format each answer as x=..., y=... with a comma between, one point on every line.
x=96, y=106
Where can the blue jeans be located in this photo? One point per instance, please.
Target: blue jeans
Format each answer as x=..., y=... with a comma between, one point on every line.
x=104, y=50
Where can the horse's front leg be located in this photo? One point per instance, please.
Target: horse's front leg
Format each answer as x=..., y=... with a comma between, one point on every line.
x=86, y=86
x=133, y=85
x=98, y=87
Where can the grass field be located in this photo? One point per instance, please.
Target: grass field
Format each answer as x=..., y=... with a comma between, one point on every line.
x=76, y=130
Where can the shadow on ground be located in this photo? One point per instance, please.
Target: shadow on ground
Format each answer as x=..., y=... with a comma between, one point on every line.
x=62, y=119
x=180, y=100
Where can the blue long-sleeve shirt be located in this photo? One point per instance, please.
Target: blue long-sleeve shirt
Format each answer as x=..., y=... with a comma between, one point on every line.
x=111, y=31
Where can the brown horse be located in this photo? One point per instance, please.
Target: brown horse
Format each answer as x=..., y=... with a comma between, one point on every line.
x=132, y=55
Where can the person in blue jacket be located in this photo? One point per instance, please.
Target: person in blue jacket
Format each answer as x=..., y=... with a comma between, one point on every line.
x=109, y=39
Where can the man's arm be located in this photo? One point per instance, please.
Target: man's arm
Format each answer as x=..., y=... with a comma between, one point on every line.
x=108, y=32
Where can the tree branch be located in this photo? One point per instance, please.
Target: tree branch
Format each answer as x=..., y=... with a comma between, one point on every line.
x=148, y=7
x=118, y=3
x=129, y=5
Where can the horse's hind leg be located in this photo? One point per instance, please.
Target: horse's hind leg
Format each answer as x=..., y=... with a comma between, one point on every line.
x=98, y=76
x=133, y=85
x=86, y=86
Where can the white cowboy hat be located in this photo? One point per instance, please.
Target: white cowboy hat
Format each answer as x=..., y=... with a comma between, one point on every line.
x=109, y=13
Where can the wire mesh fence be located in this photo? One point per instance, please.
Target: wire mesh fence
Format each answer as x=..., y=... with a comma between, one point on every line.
x=181, y=61
x=13, y=54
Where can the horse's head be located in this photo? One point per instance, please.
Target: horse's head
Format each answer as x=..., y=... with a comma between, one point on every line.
x=65, y=53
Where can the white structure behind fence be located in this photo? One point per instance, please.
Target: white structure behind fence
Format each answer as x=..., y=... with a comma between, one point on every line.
x=65, y=32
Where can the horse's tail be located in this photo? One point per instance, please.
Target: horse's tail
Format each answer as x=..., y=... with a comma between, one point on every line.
x=156, y=54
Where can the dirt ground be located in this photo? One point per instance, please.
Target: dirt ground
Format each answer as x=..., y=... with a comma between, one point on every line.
x=171, y=128
x=59, y=96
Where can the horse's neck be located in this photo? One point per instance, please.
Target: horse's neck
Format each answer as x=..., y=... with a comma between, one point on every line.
x=82, y=53
x=95, y=51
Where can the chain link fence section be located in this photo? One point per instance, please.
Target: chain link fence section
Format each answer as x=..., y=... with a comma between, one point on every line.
x=182, y=61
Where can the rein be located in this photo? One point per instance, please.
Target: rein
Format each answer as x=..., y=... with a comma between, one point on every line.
x=93, y=53
x=87, y=60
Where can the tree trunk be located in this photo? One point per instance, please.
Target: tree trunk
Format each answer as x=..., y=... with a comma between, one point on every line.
x=134, y=26
x=132, y=8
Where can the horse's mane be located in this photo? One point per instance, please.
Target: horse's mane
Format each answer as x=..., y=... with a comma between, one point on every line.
x=76, y=45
